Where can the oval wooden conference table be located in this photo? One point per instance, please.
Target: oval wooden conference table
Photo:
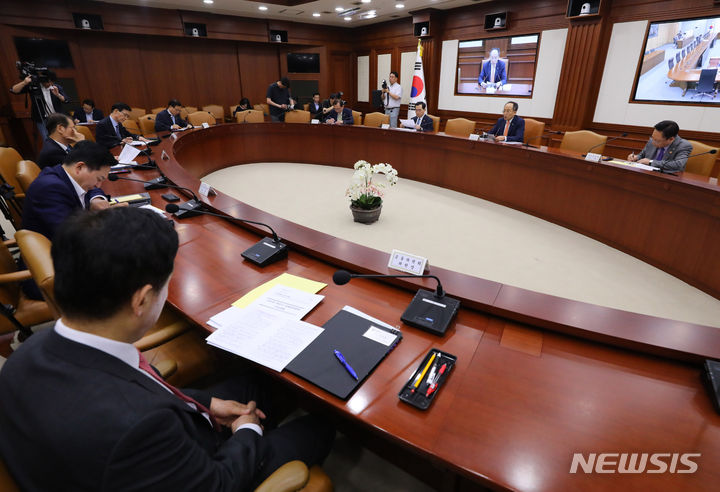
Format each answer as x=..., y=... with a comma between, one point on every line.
x=538, y=378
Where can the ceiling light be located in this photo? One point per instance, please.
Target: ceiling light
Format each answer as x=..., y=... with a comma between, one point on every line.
x=316, y=14
x=339, y=9
x=262, y=7
x=208, y=1
x=347, y=18
x=399, y=5
x=366, y=1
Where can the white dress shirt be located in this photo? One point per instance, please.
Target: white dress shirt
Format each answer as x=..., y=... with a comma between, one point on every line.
x=80, y=192
x=397, y=90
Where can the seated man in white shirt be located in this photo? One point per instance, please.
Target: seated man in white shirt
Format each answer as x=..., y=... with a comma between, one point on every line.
x=105, y=418
x=62, y=135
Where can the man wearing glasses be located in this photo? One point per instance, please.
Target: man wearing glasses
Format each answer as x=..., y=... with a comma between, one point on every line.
x=110, y=130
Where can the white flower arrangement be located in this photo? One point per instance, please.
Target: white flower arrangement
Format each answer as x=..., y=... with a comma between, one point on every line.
x=363, y=192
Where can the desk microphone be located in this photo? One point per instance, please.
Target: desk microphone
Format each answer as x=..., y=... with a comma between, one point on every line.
x=187, y=209
x=264, y=252
x=605, y=142
x=544, y=134
x=711, y=151
x=429, y=311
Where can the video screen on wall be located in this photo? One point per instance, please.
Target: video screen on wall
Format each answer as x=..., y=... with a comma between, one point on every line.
x=503, y=66
x=680, y=62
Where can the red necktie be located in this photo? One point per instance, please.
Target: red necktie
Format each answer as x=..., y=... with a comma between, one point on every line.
x=201, y=408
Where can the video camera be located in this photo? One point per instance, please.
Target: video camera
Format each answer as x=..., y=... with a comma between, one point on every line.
x=384, y=84
x=36, y=74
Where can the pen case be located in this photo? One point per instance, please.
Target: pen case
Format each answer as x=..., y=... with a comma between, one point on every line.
x=422, y=394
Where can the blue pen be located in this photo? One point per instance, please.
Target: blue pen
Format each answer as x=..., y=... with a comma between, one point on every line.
x=344, y=363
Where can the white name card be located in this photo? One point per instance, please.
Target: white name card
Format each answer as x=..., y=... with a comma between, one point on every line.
x=173, y=136
x=314, y=121
x=385, y=126
x=474, y=136
x=407, y=262
x=593, y=157
x=205, y=124
x=206, y=190
x=164, y=156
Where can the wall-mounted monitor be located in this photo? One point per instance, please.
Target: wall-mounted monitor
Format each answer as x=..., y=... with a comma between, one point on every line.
x=303, y=62
x=50, y=53
x=694, y=49
x=497, y=66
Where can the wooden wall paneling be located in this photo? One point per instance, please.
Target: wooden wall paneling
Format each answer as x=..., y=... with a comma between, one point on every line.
x=228, y=26
x=171, y=67
x=41, y=13
x=340, y=76
x=127, y=19
x=215, y=71
x=259, y=68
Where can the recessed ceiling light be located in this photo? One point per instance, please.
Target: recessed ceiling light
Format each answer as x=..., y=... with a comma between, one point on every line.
x=208, y=1
x=366, y=1
x=339, y=9
x=316, y=14
x=347, y=18
x=399, y=5
x=262, y=7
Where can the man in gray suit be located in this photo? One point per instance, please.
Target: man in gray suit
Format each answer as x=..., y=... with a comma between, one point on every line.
x=665, y=150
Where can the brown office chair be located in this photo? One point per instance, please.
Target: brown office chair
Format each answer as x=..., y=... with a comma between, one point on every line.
x=199, y=117
x=702, y=164
x=26, y=173
x=136, y=113
x=9, y=158
x=86, y=132
x=583, y=140
x=533, y=130
x=262, y=107
x=436, y=122
x=3, y=140
x=132, y=126
x=297, y=116
x=22, y=312
x=147, y=124
x=157, y=110
x=35, y=250
x=376, y=119
x=217, y=111
x=250, y=116
x=306, y=106
x=291, y=477
x=357, y=118
x=459, y=127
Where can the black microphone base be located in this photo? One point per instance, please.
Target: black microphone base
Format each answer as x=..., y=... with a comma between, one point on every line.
x=265, y=252
x=430, y=313
x=190, y=208
x=157, y=183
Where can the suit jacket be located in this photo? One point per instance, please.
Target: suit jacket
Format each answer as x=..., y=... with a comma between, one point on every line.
x=315, y=112
x=675, y=157
x=516, y=131
x=79, y=114
x=426, y=125
x=347, y=117
x=105, y=133
x=51, y=154
x=89, y=421
x=499, y=72
x=163, y=121
x=50, y=200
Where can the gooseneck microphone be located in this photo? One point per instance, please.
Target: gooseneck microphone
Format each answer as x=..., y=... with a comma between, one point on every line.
x=187, y=209
x=605, y=142
x=711, y=151
x=429, y=311
x=262, y=253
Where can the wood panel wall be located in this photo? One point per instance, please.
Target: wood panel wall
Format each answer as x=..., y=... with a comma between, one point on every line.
x=144, y=58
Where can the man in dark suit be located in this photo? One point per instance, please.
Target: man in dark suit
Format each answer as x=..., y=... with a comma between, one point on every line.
x=65, y=188
x=170, y=119
x=82, y=409
x=422, y=121
x=62, y=136
x=509, y=128
x=50, y=100
x=339, y=114
x=315, y=107
x=111, y=132
x=665, y=150
x=88, y=113
x=493, y=71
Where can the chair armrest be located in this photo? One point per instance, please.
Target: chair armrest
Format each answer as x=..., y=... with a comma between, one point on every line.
x=6, y=278
x=166, y=368
x=164, y=334
x=290, y=477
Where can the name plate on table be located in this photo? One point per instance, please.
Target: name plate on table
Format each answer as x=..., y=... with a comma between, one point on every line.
x=164, y=156
x=474, y=136
x=314, y=121
x=173, y=136
x=593, y=157
x=206, y=190
x=385, y=126
x=205, y=124
x=407, y=262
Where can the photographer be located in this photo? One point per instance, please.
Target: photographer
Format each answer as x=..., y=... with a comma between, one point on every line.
x=46, y=96
x=279, y=100
x=391, y=98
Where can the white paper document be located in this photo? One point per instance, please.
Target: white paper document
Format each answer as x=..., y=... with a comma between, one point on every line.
x=128, y=154
x=287, y=301
x=266, y=337
x=407, y=123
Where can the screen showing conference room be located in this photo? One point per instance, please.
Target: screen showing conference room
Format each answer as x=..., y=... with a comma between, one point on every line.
x=518, y=55
x=680, y=62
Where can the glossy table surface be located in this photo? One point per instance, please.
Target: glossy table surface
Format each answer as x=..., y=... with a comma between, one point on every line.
x=522, y=398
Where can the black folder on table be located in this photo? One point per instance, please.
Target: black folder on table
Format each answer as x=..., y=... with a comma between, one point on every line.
x=344, y=332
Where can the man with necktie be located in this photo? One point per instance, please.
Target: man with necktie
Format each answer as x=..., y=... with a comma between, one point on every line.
x=83, y=406
x=665, y=150
x=493, y=71
x=62, y=135
x=510, y=127
x=110, y=130
x=422, y=121
x=170, y=119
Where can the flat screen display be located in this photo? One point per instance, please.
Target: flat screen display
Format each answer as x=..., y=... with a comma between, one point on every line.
x=50, y=53
x=303, y=62
x=680, y=62
x=497, y=66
